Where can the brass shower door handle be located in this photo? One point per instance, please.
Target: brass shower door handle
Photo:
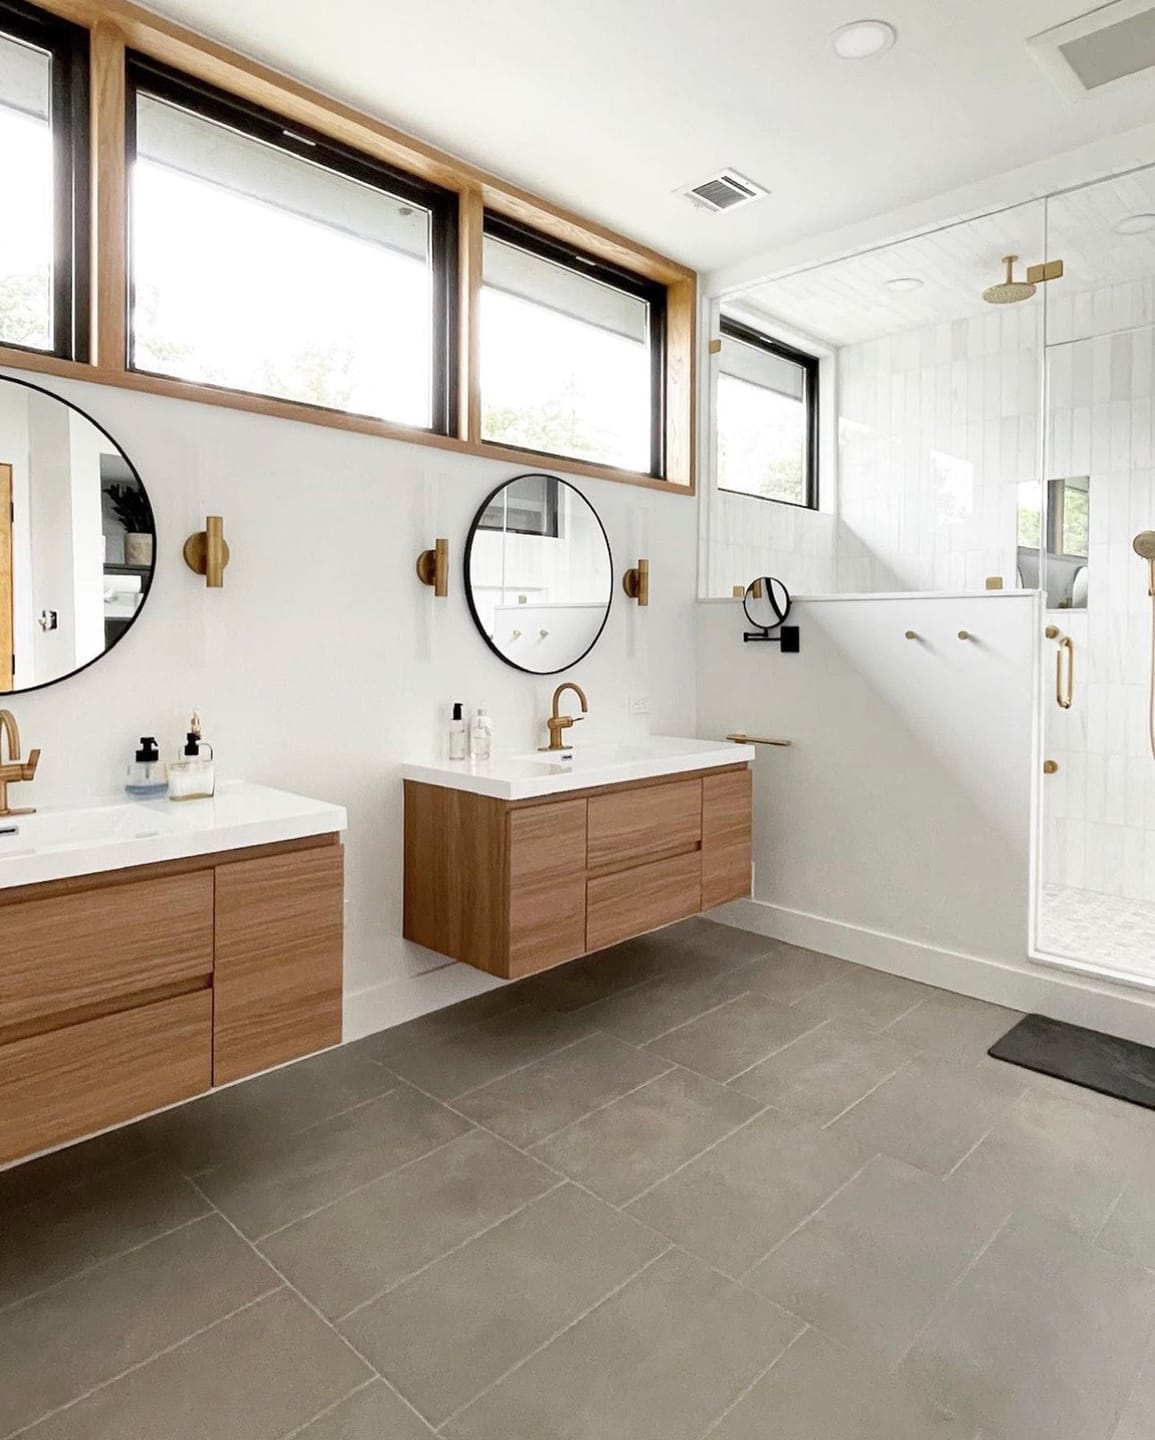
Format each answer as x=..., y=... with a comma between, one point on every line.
x=1065, y=673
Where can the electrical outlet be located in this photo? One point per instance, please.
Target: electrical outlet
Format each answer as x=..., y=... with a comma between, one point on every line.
x=639, y=704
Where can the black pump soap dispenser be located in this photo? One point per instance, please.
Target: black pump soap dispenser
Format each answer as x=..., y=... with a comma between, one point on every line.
x=193, y=775
x=146, y=775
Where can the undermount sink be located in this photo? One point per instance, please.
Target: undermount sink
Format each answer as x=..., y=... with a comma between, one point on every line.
x=583, y=766
x=60, y=841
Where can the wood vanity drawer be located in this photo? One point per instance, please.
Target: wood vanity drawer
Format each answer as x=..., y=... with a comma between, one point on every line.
x=634, y=824
x=58, y=1086
x=727, y=825
x=642, y=898
x=77, y=951
x=547, y=886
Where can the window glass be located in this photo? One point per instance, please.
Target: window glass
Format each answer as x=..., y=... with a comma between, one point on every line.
x=765, y=420
x=259, y=269
x=566, y=360
x=26, y=182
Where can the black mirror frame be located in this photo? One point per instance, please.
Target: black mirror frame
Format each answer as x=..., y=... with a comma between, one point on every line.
x=473, y=529
x=60, y=679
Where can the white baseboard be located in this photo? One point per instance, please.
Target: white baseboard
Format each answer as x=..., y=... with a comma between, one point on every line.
x=1061, y=995
x=379, y=1007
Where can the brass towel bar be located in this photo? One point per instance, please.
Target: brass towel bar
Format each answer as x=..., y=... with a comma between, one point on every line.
x=740, y=739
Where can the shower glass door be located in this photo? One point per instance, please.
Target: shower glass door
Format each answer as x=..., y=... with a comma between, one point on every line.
x=1096, y=851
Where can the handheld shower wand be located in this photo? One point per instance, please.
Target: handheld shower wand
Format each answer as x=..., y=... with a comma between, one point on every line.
x=1144, y=545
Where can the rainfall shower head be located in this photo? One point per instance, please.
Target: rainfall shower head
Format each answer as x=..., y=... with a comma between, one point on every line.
x=1009, y=291
x=1144, y=546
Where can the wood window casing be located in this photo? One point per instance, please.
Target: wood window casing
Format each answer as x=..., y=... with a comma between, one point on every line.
x=117, y=26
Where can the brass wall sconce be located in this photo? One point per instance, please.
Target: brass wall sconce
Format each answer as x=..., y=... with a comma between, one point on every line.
x=207, y=553
x=433, y=568
x=636, y=582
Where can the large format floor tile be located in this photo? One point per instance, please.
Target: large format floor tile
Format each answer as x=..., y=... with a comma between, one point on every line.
x=1042, y=1338
x=357, y=1247
x=620, y=1150
x=651, y=1010
x=1055, y=1158
x=659, y=1360
x=820, y=1391
x=271, y=1186
x=735, y=1202
x=256, y=1376
x=869, y=998
x=1138, y=1419
x=735, y=1036
x=873, y=1264
x=788, y=973
x=533, y=1102
x=70, y=1230
x=448, y=1333
x=217, y=1128
x=930, y=1113
x=372, y=1413
x=954, y=1027
x=83, y=1332
x=825, y=1071
x=450, y=1067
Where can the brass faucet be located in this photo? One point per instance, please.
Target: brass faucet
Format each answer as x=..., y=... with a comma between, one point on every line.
x=558, y=724
x=15, y=769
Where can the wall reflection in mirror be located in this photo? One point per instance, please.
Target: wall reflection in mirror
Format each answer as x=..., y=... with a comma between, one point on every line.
x=538, y=573
x=77, y=539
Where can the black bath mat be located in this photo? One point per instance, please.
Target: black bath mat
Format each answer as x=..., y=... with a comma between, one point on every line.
x=1122, y=1068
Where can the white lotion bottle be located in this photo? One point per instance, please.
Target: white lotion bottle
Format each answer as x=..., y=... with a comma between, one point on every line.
x=457, y=746
x=481, y=735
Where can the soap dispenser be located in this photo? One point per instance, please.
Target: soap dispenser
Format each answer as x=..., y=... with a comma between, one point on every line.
x=193, y=775
x=146, y=779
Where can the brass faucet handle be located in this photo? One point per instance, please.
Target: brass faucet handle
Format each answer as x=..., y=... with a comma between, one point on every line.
x=30, y=765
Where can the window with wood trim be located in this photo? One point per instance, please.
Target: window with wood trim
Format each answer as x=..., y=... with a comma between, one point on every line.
x=767, y=417
x=266, y=258
x=572, y=353
x=44, y=296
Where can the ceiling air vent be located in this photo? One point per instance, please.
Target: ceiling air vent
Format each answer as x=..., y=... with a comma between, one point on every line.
x=724, y=191
x=1105, y=47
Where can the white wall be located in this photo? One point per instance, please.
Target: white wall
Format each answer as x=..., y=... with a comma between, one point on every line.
x=896, y=829
x=324, y=662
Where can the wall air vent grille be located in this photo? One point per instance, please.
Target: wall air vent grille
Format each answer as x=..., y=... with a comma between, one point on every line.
x=1108, y=46
x=724, y=191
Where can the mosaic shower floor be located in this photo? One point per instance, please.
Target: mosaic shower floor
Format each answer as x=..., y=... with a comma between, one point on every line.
x=1099, y=929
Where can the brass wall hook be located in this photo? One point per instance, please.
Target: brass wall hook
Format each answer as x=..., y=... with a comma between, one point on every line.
x=433, y=568
x=636, y=582
x=207, y=553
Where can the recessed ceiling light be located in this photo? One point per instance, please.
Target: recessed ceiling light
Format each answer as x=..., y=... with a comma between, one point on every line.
x=903, y=284
x=1135, y=224
x=862, y=39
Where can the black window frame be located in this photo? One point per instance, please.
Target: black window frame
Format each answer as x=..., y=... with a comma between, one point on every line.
x=149, y=77
x=811, y=367
x=652, y=292
x=68, y=46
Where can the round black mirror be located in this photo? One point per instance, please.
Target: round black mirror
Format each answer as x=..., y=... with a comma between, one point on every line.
x=77, y=539
x=766, y=603
x=538, y=574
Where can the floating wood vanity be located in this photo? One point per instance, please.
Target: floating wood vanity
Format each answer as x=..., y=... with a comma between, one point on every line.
x=127, y=989
x=517, y=885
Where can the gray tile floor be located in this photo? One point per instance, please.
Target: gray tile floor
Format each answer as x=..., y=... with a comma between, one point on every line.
x=700, y=1185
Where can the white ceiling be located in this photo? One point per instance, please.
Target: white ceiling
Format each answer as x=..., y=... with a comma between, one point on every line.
x=611, y=105
x=847, y=301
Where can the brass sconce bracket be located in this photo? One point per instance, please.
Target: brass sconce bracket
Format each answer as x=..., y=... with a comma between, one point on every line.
x=207, y=553
x=636, y=582
x=433, y=568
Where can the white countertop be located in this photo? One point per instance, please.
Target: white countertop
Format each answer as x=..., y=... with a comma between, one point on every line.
x=114, y=833
x=525, y=776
